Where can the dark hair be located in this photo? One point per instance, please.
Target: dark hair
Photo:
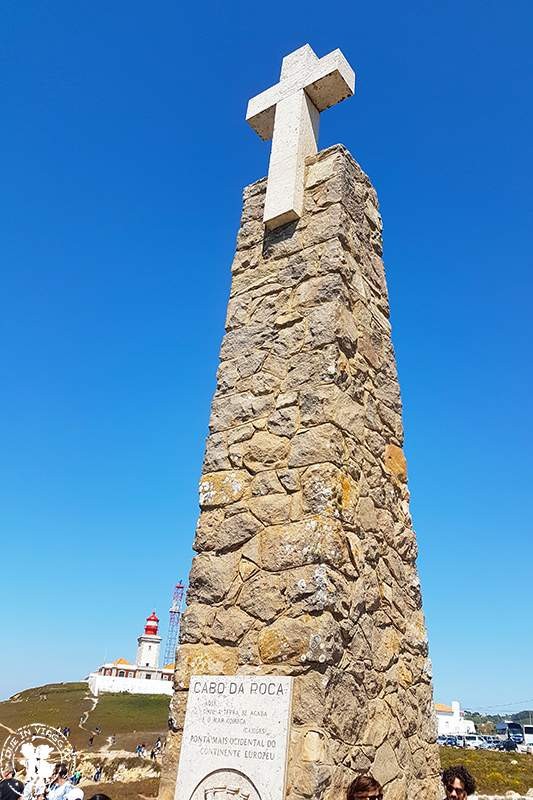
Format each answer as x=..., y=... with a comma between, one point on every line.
x=61, y=771
x=450, y=774
x=363, y=783
x=100, y=797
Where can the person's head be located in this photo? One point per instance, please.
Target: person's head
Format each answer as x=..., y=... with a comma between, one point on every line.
x=8, y=773
x=60, y=773
x=100, y=797
x=458, y=783
x=363, y=787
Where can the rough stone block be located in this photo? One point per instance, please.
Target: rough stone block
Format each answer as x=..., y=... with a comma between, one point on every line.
x=321, y=443
x=200, y=659
x=311, y=541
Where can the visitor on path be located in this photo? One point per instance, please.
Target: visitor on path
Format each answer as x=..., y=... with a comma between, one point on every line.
x=10, y=787
x=100, y=797
x=97, y=773
x=364, y=787
x=458, y=783
x=76, y=778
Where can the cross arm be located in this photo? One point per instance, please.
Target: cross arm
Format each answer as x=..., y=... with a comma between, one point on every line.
x=261, y=111
x=330, y=80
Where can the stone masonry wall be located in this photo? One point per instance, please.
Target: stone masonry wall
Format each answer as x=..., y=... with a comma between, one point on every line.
x=305, y=560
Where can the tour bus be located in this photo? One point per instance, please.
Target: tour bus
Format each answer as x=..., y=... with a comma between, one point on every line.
x=528, y=734
x=511, y=730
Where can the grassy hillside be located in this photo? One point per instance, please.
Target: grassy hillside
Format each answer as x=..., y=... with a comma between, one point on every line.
x=131, y=718
x=494, y=772
x=124, y=713
x=57, y=704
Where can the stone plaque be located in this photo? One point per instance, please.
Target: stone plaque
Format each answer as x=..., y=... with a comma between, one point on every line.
x=235, y=738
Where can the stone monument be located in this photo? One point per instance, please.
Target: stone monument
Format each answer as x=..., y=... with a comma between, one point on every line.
x=305, y=562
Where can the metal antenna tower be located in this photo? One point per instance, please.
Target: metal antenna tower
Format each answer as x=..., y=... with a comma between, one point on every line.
x=174, y=624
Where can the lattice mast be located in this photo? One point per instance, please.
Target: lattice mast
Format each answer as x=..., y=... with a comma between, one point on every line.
x=174, y=624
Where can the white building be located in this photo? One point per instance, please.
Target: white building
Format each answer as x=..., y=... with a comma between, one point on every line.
x=451, y=721
x=143, y=677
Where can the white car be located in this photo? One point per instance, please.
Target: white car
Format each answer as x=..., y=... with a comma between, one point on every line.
x=475, y=742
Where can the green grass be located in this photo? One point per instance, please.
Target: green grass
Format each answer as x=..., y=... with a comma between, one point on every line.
x=126, y=713
x=493, y=771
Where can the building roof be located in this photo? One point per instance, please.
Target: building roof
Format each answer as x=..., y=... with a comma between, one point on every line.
x=169, y=666
x=121, y=661
x=443, y=709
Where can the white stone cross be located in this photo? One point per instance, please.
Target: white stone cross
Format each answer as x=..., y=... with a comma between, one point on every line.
x=288, y=113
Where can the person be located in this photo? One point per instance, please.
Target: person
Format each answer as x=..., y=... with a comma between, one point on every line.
x=60, y=785
x=99, y=796
x=75, y=794
x=509, y=744
x=458, y=783
x=97, y=773
x=364, y=787
x=10, y=787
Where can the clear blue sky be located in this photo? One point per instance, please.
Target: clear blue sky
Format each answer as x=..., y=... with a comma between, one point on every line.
x=124, y=153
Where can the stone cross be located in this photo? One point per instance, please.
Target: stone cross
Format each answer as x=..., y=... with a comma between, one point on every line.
x=288, y=113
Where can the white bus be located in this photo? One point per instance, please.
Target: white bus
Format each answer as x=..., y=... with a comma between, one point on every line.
x=528, y=734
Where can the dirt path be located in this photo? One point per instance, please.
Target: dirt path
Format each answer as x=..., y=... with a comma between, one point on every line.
x=7, y=729
x=85, y=716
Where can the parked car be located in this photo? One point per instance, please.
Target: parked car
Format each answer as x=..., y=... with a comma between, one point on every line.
x=451, y=741
x=493, y=742
x=441, y=739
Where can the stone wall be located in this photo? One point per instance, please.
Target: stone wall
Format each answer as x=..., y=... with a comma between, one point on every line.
x=305, y=560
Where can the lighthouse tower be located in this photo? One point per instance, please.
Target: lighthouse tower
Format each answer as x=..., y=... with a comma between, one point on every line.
x=149, y=643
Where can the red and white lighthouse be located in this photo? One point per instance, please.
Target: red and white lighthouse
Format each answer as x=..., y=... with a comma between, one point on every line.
x=149, y=643
x=152, y=624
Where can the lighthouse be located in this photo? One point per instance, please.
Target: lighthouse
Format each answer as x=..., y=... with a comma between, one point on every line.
x=145, y=676
x=149, y=644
